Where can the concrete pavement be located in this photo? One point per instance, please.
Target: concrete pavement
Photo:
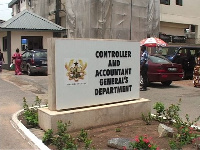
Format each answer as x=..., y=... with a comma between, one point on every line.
x=34, y=136
x=11, y=97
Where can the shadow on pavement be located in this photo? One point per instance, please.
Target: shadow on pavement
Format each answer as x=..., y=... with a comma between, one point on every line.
x=160, y=86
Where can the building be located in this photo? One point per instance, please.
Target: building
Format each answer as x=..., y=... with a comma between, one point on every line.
x=2, y=21
x=108, y=19
x=112, y=19
x=25, y=30
x=44, y=8
x=180, y=21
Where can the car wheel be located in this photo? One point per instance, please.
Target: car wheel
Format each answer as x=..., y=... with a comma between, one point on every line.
x=166, y=83
x=29, y=71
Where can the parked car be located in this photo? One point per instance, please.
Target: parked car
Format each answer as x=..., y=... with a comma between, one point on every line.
x=162, y=70
x=184, y=55
x=34, y=61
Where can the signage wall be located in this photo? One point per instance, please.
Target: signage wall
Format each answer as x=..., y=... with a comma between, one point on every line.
x=93, y=72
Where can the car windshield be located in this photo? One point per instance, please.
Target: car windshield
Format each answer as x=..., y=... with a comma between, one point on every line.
x=158, y=59
x=41, y=55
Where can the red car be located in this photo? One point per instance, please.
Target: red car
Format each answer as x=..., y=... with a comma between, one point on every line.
x=162, y=70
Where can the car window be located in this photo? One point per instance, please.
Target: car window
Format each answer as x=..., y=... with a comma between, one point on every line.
x=194, y=51
x=29, y=55
x=41, y=55
x=24, y=55
x=182, y=52
x=168, y=51
x=159, y=60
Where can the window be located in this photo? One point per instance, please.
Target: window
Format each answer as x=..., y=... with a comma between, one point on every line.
x=192, y=28
x=29, y=3
x=5, y=43
x=179, y=2
x=31, y=42
x=182, y=52
x=166, y=2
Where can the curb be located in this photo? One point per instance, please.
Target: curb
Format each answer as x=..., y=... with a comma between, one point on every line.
x=26, y=134
x=193, y=126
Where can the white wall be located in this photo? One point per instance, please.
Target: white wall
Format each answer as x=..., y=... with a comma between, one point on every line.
x=23, y=5
x=16, y=40
x=173, y=28
x=187, y=14
x=174, y=18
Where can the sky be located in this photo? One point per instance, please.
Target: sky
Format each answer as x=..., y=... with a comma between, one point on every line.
x=5, y=12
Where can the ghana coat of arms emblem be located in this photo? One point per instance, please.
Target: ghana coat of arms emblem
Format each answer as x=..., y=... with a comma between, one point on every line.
x=76, y=69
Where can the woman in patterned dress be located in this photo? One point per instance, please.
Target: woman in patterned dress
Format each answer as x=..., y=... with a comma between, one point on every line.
x=18, y=60
x=196, y=74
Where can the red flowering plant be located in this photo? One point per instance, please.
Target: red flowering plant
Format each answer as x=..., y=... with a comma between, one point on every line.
x=143, y=142
x=185, y=135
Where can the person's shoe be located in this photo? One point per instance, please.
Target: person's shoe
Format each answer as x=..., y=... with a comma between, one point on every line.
x=143, y=89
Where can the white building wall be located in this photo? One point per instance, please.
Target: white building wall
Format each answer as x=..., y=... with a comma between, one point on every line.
x=15, y=9
x=16, y=39
x=187, y=14
x=181, y=16
x=173, y=28
x=23, y=5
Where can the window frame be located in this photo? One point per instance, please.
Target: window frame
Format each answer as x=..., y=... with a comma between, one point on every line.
x=179, y=2
x=165, y=2
x=4, y=42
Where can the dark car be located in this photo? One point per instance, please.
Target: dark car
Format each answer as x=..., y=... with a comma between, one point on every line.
x=34, y=61
x=162, y=70
x=184, y=55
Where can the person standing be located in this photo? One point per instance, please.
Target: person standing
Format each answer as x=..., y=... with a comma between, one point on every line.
x=18, y=60
x=144, y=67
x=1, y=60
x=196, y=73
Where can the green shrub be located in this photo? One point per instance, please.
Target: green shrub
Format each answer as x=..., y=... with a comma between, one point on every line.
x=159, y=107
x=83, y=137
x=63, y=140
x=31, y=113
x=148, y=119
x=48, y=137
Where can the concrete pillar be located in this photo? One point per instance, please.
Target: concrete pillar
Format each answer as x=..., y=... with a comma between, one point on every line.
x=197, y=34
x=9, y=48
x=51, y=75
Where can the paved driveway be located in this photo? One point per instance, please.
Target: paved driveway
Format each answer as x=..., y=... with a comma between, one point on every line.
x=184, y=90
x=11, y=101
